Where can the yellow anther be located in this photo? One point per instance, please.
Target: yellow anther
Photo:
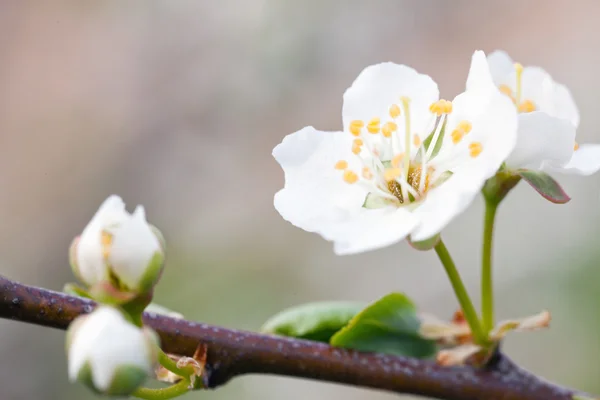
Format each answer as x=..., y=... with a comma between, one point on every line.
x=576, y=146
x=518, y=68
x=416, y=140
x=341, y=165
x=388, y=128
x=397, y=160
x=394, y=111
x=506, y=90
x=527, y=106
x=106, y=240
x=457, y=135
x=373, y=125
x=447, y=107
x=436, y=108
x=356, y=126
x=441, y=107
x=350, y=177
x=366, y=173
x=356, y=149
x=475, y=149
x=464, y=126
x=391, y=174
x=358, y=142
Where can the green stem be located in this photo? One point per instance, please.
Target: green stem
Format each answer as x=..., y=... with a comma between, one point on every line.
x=171, y=365
x=487, y=287
x=461, y=293
x=170, y=392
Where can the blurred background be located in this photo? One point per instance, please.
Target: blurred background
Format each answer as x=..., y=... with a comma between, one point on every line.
x=178, y=104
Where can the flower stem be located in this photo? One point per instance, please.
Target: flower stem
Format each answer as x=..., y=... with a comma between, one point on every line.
x=461, y=293
x=170, y=392
x=487, y=287
x=171, y=365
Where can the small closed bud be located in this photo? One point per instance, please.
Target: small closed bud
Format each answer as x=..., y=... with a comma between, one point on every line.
x=109, y=354
x=118, y=250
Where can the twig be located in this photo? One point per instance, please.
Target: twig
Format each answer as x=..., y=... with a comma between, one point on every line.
x=232, y=353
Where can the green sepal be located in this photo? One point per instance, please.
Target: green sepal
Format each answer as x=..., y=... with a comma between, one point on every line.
x=317, y=321
x=126, y=379
x=75, y=290
x=390, y=325
x=424, y=245
x=545, y=185
x=152, y=273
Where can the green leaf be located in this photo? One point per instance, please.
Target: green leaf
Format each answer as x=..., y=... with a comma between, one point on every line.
x=577, y=397
x=545, y=185
x=390, y=325
x=314, y=321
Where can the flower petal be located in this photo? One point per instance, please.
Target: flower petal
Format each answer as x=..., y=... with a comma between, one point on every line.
x=370, y=229
x=445, y=202
x=380, y=86
x=89, y=249
x=541, y=138
x=480, y=74
x=315, y=193
x=493, y=121
x=585, y=161
x=501, y=66
x=134, y=244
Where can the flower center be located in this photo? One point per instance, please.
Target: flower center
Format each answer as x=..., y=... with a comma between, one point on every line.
x=398, y=166
x=523, y=105
x=414, y=180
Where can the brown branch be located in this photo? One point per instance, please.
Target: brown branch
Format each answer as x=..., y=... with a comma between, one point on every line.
x=232, y=353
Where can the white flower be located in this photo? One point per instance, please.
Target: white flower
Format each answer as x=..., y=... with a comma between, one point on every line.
x=108, y=353
x=548, y=120
x=405, y=164
x=119, y=246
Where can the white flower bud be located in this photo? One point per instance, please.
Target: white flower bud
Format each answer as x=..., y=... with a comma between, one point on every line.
x=118, y=248
x=108, y=353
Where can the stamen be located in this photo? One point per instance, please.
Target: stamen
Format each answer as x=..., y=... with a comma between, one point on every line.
x=407, y=133
x=389, y=128
x=519, y=71
x=506, y=90
x=373, y=126
x=355, y=127
x=457, y=135
x=442, y=128
x=416, y=140
x=391, y=174
x=350, y=177
x=366, y=173
x=106, y=240
x=447, y=107
x=394, y=111
x=356, y=149
x=358, y=142
x=527, y=106
x=576, y=146
x=464, y=126
x=397, y=160
x=341, y=165
x=475, y=149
